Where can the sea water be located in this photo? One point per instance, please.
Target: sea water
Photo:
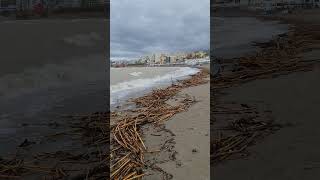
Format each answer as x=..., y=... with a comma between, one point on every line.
x=129, y=82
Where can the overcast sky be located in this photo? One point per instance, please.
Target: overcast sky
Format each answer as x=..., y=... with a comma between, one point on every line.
x=140, y=27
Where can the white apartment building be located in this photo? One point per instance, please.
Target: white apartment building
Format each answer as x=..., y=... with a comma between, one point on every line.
x=152, y=59
x=157, y=58
x=173, y=59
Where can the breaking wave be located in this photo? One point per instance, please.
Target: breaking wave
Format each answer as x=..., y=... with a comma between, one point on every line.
x=123, y=90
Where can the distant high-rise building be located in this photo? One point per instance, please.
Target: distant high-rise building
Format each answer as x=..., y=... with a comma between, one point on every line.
x=153, y=59
x=163, y=59
x=173, y=59
x=158, y=58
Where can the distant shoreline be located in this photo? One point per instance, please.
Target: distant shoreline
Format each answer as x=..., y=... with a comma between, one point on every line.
x=163, y=65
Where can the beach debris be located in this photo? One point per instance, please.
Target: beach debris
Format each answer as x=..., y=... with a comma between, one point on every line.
x=95, y=131
x=11, y=168
x=14, y=168
x=281, y=55
x=178, y=164
x=127, y=146
x=241, y=131
x=278, y=56
x=194, y=150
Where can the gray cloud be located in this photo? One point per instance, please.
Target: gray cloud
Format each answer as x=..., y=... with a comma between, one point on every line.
x=139, y=27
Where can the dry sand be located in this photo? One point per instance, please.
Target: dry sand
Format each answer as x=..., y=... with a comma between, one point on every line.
x=184, y=140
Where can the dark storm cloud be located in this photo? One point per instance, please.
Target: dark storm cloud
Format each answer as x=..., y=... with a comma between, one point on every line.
x=140, y=27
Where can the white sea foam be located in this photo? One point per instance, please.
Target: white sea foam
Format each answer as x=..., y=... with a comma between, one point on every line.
x=136, y=74
x=123, y=90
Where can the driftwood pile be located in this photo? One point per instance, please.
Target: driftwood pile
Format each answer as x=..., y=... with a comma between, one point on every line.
x=92, y=126
x=127, y=153
x=279, y=56
x=95, y=131
x=237, y=135
x=15, y=168
x=11, y=168
x=282, y=55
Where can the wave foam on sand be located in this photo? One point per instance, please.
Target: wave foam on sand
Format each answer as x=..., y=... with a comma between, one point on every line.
x=123, y=90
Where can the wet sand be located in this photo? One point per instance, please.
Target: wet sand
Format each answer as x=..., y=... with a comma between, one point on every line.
x=234, y=36
x=292, y=152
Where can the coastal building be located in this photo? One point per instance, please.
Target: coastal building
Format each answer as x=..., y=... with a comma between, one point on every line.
x=157, y=58
x=201, y=54
x=152, y=59
x=163, y=59
x=55, y=4
x=77, y=3
x=173, y=59
x=144, y=60
x=168, y=60
x=7, y=7
x=7, y=3
x=180, y=57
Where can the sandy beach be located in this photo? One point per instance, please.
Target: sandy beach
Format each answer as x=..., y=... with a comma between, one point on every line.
x=292, y=152
x=191, y=131
x=290, y=100
x=187, y=134
x=178, y=147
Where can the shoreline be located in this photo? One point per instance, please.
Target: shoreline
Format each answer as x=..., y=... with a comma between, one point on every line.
x=236, y=36
x=142, y=80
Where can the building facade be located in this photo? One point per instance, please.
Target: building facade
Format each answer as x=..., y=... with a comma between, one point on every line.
x=55, y=4
x=7, y=3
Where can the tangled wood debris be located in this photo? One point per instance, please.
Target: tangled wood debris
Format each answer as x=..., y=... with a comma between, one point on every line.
x=239, y=133
x=11, y=168
x=279, y=56
x=93, y=128
x=128, y=148
x=14, y=168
